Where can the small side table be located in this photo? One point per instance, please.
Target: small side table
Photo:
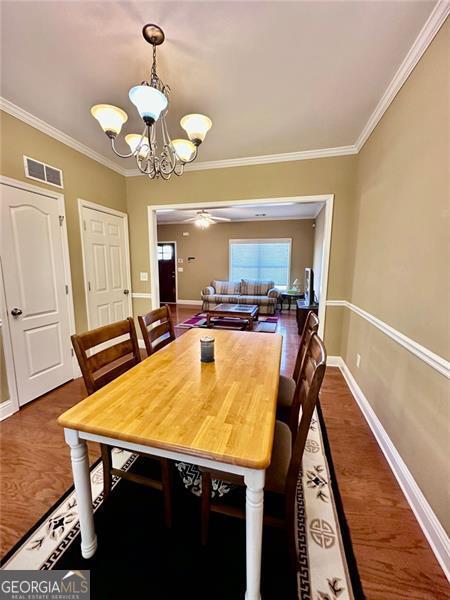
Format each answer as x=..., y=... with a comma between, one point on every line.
x=303, y=309
x=289, y=297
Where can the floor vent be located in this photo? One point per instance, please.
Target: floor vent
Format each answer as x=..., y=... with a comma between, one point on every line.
x=39, y=171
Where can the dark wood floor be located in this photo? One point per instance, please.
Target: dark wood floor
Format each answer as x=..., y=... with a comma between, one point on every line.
x=393, y=556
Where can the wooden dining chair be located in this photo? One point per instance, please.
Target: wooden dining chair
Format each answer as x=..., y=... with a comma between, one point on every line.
x=288, y=386
x=159, y=335
x=283, y=472
x=99, y=369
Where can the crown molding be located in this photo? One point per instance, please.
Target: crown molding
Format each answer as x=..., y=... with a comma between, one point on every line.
x=21, y=114
x=434, y=22
x=263, y=159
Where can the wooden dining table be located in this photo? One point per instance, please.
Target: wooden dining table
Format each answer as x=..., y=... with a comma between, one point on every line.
x=219, y=415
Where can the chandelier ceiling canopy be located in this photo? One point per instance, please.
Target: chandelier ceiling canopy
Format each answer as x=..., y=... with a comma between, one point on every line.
x=151, y=99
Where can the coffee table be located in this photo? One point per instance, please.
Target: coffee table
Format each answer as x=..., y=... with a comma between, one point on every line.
x=246, y=312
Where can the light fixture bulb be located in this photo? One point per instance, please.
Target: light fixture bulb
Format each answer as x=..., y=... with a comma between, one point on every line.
x=196, y=126
x=133, y=140
x=202, y=223
x=149, y=101
x=110, y=118
x=184, y=149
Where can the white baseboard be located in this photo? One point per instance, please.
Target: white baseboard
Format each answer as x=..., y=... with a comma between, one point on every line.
x=431, y=527
x=193, y=302
x=7, y=409
x=334, y=361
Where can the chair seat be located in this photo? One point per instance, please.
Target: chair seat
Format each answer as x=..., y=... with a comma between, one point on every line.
x=286, y=391
x=276, y=473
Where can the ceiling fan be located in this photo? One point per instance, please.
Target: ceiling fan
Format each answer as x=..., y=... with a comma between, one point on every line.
x=204, y=219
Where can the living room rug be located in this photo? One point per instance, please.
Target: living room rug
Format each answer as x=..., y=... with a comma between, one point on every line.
x=138, y=557
x=264, y=324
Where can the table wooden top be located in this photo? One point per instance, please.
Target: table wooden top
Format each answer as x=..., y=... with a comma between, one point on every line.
x=224, y=411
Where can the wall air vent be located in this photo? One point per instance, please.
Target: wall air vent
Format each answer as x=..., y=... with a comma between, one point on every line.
x=34, y=169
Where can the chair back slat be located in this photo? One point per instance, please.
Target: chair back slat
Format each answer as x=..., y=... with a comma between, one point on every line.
x=311, y=326
x=109, y=355
x=98, y=336
x=94, y=368
x=113, y=373
x=312, y=375
x=157, y=329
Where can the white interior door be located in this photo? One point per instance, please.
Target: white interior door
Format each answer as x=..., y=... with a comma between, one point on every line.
x=35, y=290
x=107, y=272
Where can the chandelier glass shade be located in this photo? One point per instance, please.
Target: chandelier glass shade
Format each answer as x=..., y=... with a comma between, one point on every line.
x=196, y=126
x=156, y=154
x=110, y=118
x=149, y=101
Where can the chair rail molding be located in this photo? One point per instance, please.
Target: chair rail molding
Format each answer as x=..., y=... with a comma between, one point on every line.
x=428, y=521
x=432, y=359
x=141, y=295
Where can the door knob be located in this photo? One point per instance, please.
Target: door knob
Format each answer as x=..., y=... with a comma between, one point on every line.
x=16, y=312
x=126, y=292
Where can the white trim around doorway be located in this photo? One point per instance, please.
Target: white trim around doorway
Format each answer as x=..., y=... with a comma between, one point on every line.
x=328, y=199
x=117, y=213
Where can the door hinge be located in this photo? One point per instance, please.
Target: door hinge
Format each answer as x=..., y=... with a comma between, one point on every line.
x=89, y=285
x=84, y=225
x=71, y=351
x=67, y=288
x=61, y=220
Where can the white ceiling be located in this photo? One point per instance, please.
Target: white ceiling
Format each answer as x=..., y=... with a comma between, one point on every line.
x=274, y=77
x=264, y=212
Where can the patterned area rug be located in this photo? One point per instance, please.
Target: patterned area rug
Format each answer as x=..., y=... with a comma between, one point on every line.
x=265, y=324
x=134, y=545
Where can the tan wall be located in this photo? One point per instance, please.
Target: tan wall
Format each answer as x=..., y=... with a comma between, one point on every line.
x=211, y=249
x=309, y=177
x=319, y=233
x=83, y=178
x=401, y=271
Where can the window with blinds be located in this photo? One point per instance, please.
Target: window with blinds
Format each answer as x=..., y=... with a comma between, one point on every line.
x=267, y=259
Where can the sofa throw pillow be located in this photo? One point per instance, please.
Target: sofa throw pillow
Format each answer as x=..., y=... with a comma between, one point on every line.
x=226, y=287
x=255, y=287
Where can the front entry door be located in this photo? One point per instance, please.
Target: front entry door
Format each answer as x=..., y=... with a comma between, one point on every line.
x=106, y=267
x=167, y=276
x=35, y=289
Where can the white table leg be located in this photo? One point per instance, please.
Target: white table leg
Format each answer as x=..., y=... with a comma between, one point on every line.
x=82, y=482
x=254, y=509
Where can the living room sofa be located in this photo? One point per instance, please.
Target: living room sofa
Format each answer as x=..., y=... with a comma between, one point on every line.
x=246, y=291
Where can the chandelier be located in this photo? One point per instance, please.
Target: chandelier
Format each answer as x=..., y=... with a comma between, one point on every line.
x=152, y=101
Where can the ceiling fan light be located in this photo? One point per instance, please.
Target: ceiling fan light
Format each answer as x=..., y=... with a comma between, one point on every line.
x=110, y=118
x=149, y=101
x=133, y=140
x=184, y=149
x=196, y=126
x=202, y=223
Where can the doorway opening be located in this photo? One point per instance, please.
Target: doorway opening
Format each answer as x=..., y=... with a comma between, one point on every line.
x=204, y=255
x=167, y=272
